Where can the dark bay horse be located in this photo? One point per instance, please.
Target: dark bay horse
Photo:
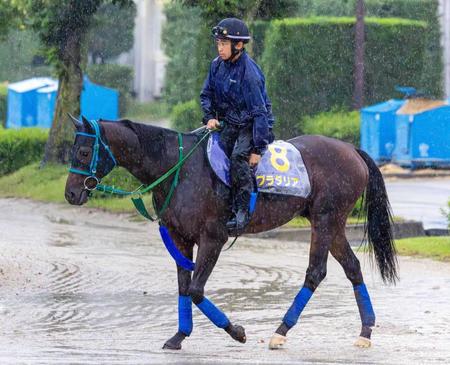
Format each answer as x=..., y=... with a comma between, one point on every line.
x=197, y=213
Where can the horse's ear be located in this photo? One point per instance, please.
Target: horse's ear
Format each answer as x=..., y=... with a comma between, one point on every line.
x=75, y=121
x=87, y=125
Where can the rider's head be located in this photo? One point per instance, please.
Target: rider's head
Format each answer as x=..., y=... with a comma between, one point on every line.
x=230, y=34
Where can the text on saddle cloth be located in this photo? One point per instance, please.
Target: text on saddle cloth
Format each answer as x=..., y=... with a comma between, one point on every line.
x=280, y=171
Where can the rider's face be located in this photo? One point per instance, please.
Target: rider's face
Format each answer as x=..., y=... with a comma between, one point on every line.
x=224, y=48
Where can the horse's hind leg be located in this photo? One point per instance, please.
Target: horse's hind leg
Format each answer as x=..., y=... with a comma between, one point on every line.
x=322, y=235
x=343, y=253
x=185, y=323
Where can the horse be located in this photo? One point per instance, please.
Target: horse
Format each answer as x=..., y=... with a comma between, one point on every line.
x=199, y=209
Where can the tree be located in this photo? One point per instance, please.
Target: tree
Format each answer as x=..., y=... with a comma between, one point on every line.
x=9, y=16
x=111, y=32
x=63, y=26
x=245, y=9
x=358, y=73
x=213, y=11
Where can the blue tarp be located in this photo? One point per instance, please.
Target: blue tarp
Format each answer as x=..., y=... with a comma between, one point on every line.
x=99, y=101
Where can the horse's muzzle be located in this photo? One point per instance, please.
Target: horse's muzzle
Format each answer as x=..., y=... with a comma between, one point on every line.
x=77, y=199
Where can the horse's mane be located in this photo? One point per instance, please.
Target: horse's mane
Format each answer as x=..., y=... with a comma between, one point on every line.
x=151, y=138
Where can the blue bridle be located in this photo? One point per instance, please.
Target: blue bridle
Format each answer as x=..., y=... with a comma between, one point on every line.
x=98, y=142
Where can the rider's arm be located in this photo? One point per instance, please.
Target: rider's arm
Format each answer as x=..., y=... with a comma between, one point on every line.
x=207, y=97
x=256, y=105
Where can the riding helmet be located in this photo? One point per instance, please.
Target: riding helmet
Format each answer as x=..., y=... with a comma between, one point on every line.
x=233, y=29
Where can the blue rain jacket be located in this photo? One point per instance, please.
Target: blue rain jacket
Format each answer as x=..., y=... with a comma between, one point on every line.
x=237, y=93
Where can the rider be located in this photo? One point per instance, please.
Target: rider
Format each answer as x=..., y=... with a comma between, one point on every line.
x=234, y=92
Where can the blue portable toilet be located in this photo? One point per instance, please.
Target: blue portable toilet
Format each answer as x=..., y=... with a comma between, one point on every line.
x=99, y=101
x=46, y=103
x=423, y=137
x=22, y=102
x=32, y=102
x=378, y=129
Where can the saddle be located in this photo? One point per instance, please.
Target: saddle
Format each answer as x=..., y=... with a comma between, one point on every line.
x=280, y=171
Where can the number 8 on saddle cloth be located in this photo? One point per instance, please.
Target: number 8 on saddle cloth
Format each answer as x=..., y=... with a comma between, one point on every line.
x=280, y=171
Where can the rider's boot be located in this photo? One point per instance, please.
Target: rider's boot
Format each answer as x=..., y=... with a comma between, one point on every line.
x=237, y=224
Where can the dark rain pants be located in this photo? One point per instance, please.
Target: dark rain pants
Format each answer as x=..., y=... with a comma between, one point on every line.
x=237, y=144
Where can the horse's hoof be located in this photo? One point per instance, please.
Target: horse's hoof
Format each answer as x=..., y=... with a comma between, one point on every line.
x=174, y=343
x=363, y=342
x=172, y=346
x=277, y=341
x=238, y=333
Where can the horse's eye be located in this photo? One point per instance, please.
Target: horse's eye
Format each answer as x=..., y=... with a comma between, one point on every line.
x=84, y=154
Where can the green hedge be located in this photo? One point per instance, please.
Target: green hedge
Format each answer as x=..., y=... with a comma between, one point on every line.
x=186, y=116
x=20, y=147
x=179, y=38
x=314, y=73
x=342, y=125
x=20, y=56
x=3, y=96
x=426, y=10
x=258, y=31
x=118, y=77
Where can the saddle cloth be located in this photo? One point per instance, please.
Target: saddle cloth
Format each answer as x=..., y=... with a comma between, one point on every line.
x=280, y=171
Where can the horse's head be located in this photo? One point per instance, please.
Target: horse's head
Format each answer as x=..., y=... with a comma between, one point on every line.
x=91, y=160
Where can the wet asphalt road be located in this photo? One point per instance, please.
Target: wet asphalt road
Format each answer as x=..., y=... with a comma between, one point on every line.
x=421, y=200
x=80, y=286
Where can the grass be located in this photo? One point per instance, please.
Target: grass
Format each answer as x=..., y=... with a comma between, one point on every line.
x=437, y=248
x=301, y=222
x=154, y=110
x=47, y=184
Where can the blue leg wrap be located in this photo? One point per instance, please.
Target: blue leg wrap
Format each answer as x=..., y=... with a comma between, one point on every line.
x=185, y=323
x=364, y=305
x=300, y=301
x=253, y=200
x=214, y=314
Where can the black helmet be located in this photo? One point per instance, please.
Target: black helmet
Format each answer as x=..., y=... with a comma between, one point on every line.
x=233, y=29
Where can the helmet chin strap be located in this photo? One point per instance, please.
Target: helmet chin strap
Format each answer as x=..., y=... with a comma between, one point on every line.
x=234, y=52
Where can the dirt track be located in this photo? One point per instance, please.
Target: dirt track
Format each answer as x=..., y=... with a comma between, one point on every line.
x=80, y=286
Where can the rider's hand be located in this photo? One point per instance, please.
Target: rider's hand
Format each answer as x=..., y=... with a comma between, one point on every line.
x=213, y=124
x=254, y=159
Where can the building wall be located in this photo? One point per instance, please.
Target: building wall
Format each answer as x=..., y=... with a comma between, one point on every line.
x=147, y=57
x=444, y=15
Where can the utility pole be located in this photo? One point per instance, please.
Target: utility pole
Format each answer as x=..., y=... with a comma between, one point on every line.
x=358, y=72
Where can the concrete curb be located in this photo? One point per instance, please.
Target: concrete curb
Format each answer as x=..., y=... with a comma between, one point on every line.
x=354, y=232
x=415, y=175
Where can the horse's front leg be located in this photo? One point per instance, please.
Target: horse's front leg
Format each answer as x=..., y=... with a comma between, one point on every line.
x=207, y=255
x=185, y=323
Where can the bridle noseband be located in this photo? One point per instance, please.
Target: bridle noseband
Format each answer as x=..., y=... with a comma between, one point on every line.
x=90, y=169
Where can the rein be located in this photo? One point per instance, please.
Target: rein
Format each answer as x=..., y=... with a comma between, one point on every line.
x=138, y=202
x=179, y=258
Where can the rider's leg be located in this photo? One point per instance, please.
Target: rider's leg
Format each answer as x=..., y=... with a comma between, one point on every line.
x=228, y=136
x=242, y=177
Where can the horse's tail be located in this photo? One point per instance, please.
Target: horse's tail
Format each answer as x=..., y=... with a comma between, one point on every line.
x=378, y=222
